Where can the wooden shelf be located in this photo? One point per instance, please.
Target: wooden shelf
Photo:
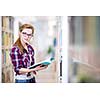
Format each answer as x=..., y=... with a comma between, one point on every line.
x=7, y=41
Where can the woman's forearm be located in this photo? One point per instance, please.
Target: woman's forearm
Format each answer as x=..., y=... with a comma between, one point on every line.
x=25, y=70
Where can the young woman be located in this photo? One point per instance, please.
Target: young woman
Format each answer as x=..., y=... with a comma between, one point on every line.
x=22, y=56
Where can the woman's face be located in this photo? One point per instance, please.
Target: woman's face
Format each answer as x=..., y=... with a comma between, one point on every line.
x=26, y=35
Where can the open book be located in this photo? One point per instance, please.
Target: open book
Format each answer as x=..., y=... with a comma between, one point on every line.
x=43, y=63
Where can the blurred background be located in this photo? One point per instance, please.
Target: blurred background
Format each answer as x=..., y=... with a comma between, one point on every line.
x=46, y=42
x=84, y=49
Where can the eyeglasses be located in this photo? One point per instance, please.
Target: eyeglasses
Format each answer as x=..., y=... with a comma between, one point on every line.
x=29, y=35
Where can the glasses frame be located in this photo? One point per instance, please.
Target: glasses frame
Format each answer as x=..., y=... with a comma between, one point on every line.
x=29, y=35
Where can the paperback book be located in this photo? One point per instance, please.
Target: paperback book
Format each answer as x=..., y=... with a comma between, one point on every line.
x=43, y=63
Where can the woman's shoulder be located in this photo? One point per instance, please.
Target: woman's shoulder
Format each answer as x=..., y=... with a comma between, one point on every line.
x=30, y=47
x=14, y=49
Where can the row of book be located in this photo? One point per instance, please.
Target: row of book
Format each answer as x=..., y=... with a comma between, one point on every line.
x=7, y=74
x=83, y=30
x=6, y=39
x=5, y=57
x=7, y=22
x=85, y=38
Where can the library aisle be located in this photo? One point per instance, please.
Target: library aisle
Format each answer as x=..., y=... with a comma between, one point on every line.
x=46, y=42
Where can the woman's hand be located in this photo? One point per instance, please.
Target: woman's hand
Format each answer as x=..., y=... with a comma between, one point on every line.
x=41, y=67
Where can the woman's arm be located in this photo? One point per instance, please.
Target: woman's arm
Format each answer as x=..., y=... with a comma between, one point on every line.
x=25, y=70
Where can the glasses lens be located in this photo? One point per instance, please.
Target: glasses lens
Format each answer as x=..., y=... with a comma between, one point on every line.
x=30, y=35
x=24, y=32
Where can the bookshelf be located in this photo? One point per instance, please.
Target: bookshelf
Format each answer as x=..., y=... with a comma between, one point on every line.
x=84, y=45
x=7, y=36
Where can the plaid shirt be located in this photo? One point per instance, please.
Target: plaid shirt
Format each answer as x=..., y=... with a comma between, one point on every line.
x=20, y=60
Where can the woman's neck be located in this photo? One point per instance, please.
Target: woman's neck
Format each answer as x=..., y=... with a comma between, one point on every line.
x=24, y=45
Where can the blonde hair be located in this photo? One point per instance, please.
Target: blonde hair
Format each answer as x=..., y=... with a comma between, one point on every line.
x=18, y=42
x=29, y=26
